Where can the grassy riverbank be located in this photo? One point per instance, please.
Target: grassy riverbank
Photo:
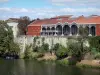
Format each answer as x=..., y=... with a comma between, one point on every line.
x=82, y=64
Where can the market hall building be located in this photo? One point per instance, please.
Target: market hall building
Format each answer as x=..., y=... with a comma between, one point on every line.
x=65, y=26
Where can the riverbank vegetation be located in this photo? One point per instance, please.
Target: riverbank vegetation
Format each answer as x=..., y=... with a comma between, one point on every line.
x=75, y=50
x=8, y=48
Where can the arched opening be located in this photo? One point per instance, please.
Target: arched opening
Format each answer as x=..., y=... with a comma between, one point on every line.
x=74, y=29
x=92, y=30
x=59, y=29
x=43, y=31
x=66, y=30
x=53, y=30
x=48, y=31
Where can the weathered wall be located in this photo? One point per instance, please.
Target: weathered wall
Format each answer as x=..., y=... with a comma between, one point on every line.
x=14, y=28
x=27, y=40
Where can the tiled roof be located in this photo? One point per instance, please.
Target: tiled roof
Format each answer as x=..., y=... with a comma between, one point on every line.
x=67, y=19
x=91, y=19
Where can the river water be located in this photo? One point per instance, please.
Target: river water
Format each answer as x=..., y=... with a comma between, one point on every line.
x=32, y=67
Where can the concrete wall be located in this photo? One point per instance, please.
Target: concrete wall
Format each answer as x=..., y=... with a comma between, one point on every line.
x=27, y=40
x=14, y=28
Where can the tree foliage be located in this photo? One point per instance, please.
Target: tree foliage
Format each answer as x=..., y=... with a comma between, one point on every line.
x=95, y=43
x=77, y=49
x=23, y=23
x=7, y=45
x=83, y=31
x=61, y=52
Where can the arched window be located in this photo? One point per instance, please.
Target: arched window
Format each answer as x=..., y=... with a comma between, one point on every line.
x=59, y=29
x=74, y=29
x=66, y=30
x=43, y=31
x=92, y=30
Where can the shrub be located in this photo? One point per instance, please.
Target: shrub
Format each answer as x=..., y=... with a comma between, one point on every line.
x=56, y=47
x=95, y=43
x=77, y=50
x=63, y=62
x=66, y=62
x=62, y=52
x=44, y=48
x=35, y=55
x=36, y=49
x=28, y=52
x=97, y=56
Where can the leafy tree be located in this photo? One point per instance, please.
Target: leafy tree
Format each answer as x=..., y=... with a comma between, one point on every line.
x=56, y=47
x=43, y=39
x=95, y=43
x=6, y=37
x=76, y=49
x=83, y=31
x=7, y=45
x=45, y=47
x=61, y=52
x=23, y=23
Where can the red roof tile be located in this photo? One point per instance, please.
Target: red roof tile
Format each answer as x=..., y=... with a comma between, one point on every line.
x=63, y=19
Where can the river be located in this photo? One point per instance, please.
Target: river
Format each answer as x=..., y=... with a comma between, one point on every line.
x=32, y=67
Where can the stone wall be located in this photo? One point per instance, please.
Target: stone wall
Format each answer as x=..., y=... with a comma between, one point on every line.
x=27, y=40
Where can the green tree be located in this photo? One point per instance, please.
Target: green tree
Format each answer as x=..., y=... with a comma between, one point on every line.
x=44, y=47
x=77, y=49
x=61, y=52
x=7, y=45
x=6, y=37
x=23, y=23
x=56, y=47
x=95, y=43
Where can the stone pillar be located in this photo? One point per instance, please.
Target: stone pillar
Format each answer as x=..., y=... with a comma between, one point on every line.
x=55, y=32
x=78, y=30
x=90, y=30
x=62, y=31
x=70, y=30
x=46, y=31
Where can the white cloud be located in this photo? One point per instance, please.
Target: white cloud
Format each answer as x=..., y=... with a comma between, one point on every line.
x=75, y=2
x=46, y=12
x=3, y=1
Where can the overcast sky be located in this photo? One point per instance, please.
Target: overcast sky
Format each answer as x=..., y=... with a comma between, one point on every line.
x=48, y=8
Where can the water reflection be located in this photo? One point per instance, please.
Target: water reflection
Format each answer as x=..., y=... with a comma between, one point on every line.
x=30, y=67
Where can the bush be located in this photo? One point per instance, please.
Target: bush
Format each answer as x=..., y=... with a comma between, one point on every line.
x=36, y=49
x=62, y=52
x=28, y=52
x=63, y=62
x=56, y=47
x=97, y=56
x=66, y=62
x=95, y=43
x=77, y=50
x=35, y=55
x=44, y=48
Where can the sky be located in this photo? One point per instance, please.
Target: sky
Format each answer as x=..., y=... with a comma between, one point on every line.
x=48, y=8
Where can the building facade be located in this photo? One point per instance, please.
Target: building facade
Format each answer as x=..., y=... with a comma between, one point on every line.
x=65, y=26
x=13, y=23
